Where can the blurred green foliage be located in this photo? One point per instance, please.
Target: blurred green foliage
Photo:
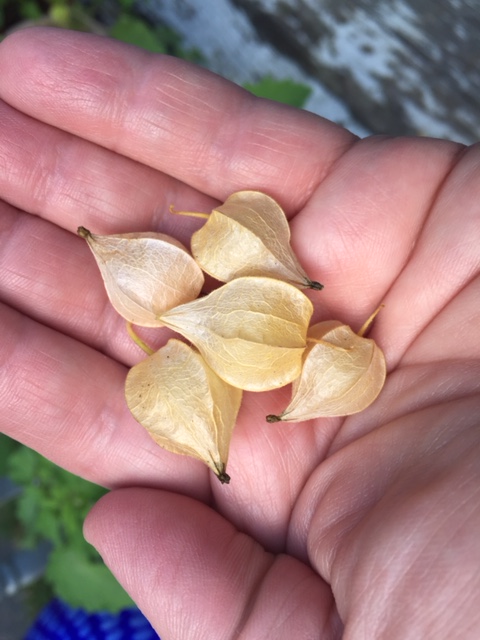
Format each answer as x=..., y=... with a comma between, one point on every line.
x=287, y=91
x=53, y=501
x=126, y=25
x=52, y=506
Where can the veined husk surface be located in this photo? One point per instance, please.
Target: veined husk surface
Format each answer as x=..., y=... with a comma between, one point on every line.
x=184, y=405
x=248, y=235
x=145, y=274
x=251, y=331
x=342, y=374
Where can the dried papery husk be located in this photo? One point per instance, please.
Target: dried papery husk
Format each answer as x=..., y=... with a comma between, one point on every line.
x=184, y=405
x=251, y=331
x=145, y=273
x=248, y=235
x=342, y=374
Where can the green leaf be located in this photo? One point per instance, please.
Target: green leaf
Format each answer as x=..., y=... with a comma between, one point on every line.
x=286, y=91
x=8, y=521
x=127, y=5
x=30, y=10
x=53, y=506
x=135, y=31
x=83, y=583
x=7, y=447
x=27, y=509
x=2, y=12
x=22, y=465
x=54, y=502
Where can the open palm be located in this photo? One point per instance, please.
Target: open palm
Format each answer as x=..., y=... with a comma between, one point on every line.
x=365, y=527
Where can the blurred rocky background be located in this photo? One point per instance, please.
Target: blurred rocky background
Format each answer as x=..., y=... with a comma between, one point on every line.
x=380, y=66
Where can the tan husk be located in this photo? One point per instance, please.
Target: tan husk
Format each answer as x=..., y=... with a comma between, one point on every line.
x=251, y=331
x=184, y=405
x=248, y=235
x=145, y=274
x=342, y=374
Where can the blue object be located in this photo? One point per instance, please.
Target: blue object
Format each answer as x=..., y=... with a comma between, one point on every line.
x=58, y=621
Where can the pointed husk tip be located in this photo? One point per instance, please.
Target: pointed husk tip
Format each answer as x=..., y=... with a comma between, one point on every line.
x=273, y=418
x=84, y=233
x=220, y=473
x=313, y=284
x=223, y=477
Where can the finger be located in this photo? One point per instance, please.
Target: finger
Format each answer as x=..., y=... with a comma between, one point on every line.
x=73, y=182
x=168, y=114
x=269, y=465
x=411, y=389
x=65, y=400
x=444, y=262
x=453, y=334
x=50, y=275
x=167, y=549
x=390, y=503
x=357, y=232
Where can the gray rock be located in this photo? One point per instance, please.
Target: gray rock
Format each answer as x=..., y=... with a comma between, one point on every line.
x=232, y=47
x=381, y=66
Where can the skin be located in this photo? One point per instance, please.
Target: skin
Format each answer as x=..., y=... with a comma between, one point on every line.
x=364, y=527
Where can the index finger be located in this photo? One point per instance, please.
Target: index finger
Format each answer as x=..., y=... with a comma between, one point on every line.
x=168, y=114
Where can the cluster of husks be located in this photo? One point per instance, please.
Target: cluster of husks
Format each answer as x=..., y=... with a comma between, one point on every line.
x=251, y=334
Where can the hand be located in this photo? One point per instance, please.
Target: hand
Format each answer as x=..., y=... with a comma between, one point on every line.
x=366, y=526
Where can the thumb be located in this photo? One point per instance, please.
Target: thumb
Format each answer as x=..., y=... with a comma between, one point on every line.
x=196, y=577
